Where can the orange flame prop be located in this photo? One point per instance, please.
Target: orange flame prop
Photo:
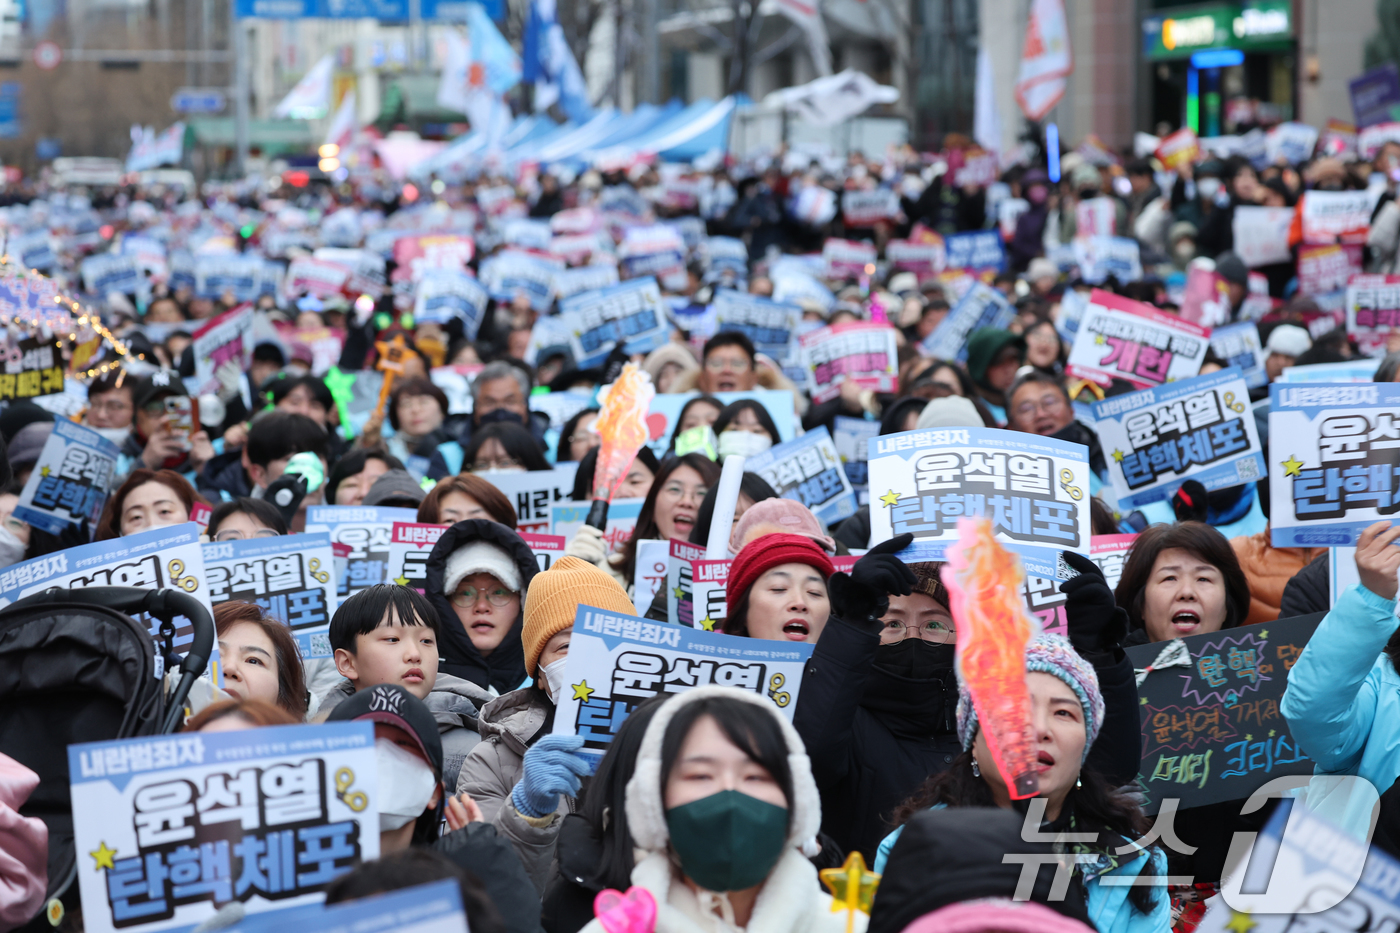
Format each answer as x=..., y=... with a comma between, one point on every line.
x=993, y=629
x=622, y=425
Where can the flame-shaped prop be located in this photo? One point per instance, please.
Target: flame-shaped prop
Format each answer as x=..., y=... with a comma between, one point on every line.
x=622, y=424
x=993, y=629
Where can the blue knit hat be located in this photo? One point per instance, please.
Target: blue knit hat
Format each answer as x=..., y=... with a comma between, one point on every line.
x=1048, y=654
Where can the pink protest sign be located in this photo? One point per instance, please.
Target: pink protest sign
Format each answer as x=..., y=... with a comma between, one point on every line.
x=1123, y=339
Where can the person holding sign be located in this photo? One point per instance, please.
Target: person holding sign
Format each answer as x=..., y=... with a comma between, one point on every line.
x=1067, y=713
x=720, y=804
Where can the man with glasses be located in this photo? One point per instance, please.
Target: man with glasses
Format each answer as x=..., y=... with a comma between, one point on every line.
x=111, y=407
x=1038, y=403
x=245, y=518
x=158, y=439
x=728, y=364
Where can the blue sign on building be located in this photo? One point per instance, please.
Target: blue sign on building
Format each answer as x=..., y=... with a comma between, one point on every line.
x=9, y=110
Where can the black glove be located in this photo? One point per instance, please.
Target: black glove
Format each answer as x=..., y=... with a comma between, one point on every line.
x=863, y=596
x=1096, y=623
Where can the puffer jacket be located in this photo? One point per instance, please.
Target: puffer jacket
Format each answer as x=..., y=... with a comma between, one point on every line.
x=509, y=725
x=1268, y=570
x=791, y=899
x=504, y=670
x=1309, y=591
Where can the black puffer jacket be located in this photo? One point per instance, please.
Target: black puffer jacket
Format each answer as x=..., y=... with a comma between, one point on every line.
x=505, y=668
x=1309, y=591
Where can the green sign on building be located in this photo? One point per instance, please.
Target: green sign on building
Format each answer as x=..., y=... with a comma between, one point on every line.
x=1262, y=26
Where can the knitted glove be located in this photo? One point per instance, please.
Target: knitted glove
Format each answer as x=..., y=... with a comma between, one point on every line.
x=553, y=766
x=863, y=597
x=1095, y=621
x=588, y=544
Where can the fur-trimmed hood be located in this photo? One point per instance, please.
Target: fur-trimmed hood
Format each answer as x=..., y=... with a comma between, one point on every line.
x=646, y=815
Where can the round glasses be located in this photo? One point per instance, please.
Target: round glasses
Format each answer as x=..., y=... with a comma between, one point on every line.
x=935, y=631
x=467, y=596
x=240, y=536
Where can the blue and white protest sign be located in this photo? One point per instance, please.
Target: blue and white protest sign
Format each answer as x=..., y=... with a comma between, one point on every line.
x=810, y=471
x=982, y=306
x=1099, y=257
x=617, y=662
x=630, y=314
x=366, y=529
x=424, y=908
x=980, y=249
x=511, y=271
x=727, y=257
x=292, y=577
x=1358, y=370
x=1200, y=428
x=533, y=493
x=111, y=272
x=769, y=324
x=1073, y=304
x=442, y=294
x=168, y=556
x=239, y=274
x=168, y=829
x=1239, y=345
x=852, y=439
x=1034, y=490
x=566, y=518
x=570, y=282
x=69, y=482
x=1334, y=461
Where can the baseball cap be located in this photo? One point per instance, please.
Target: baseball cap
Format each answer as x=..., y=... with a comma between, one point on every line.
x=158, y=384
x=392, y=705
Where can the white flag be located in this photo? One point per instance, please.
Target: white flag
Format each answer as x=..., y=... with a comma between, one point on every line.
x=808, y=15
x=1045, y=59
x=343, y=126
x=311, y=98
x=986, y=121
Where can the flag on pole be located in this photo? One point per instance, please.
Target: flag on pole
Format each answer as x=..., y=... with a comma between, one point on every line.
x=476, y=72
x=807, y=14
x=550, y=64
x=311, y=98
x=343, y=124
x=986, y=119
x=1046, y=59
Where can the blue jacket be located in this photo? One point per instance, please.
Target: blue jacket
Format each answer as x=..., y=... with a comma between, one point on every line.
x=1108, y=903
x=1342, y=703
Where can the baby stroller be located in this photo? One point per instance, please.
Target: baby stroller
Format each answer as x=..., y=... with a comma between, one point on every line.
x=75, y=667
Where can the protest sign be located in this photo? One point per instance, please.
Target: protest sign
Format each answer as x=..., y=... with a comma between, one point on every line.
x=167, y=556
x=1373, y=311
x=1035, y=491
x=1375, y=96
x=664, y=415
x=980, y=249
x=570, y=282
x=290, y=576
x=1095, y=217
x=1325, y=269
x=923, y=259
x=168, y=829
x=847, y=259
x=630, y=313
x=708, y=597
x=1261, y=234
x=1336, y=216
x=566, y=518
x=1239, y=346
x=980, y=170
x=425, y=908
x=1070, y=312
x=852, y=439
x=105, y=273
x=1099, y=257
x=512, y=272
x=726, y=255
x=546, y=548
x=240, y=275
x=680, y=576
x=442, y=295
x=1046, y=604
x=1123, y=339
x=650, y=573
x=982, y=306
x=867, y=208
x=68, y=484
x=1178, y=149
x=1334, y=457
x=1211, y=727
x=33, y=368
x=1292, y=142
x=416, y=256
x=367, y=529
x=809, y=470
x=1110, y=552
x=859, y=351
x=227, y=338
x=314, y=277
x=767, y=323
x=815, y=205
x=527, y=232
x=1370, y=140
x=1200, y=428
x=617, y=662
x=534, y=492
x=410, y=543
x=1358, y=370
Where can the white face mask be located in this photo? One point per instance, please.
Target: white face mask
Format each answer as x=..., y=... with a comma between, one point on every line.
x=742, y=444
x=554, y=676
x=1208, y=187
x=117, y=436
x=11, y=548
x=406, y=785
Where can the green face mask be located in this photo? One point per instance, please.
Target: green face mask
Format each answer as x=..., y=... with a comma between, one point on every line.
x=727, y=841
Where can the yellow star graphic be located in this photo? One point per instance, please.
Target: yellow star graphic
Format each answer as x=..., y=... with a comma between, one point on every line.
x=1240, y=922
x=1292, y=466
x=707, y=624
x=401, y=580
x=680, y=593
x=1248, y=737
x=582, y=691
x=102, y=856
x=890, y=498
x=852, y=887
x=44, y=471
x=1117, y=455
x=1099, y=341
x=1271, y=733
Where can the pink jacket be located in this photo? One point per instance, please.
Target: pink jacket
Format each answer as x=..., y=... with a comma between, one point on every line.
x=24, y=848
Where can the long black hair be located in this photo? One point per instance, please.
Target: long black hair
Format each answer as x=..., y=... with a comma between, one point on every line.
x=514, y=440
x=731, y=411
x=750, y=484
x=680, y=419
x=1098, y=807
x=646, y=528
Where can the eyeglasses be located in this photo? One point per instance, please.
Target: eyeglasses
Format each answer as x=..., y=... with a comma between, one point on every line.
x=501, y=463
x=467, y=596
x=235, y=535
x=1050, y=404
x=115, y=405
x=936, y=631
x=719, y=364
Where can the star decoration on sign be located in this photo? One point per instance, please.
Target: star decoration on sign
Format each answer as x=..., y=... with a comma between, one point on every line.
x=401, y=580
x=1292, y=466
x=890, y=498
x=707, y=624
x=102, y=856
x=1240, y=922
x=44, y=471
x=1117, y=455
x=1099, y=341
x=582, y=691
x=680, y=593
x=852, y=887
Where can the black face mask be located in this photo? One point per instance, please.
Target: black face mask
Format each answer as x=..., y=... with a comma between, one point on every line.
x=500, y=416
x=912, y=688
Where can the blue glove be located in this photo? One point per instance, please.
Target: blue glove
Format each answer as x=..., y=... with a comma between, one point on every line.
x=553, y=766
